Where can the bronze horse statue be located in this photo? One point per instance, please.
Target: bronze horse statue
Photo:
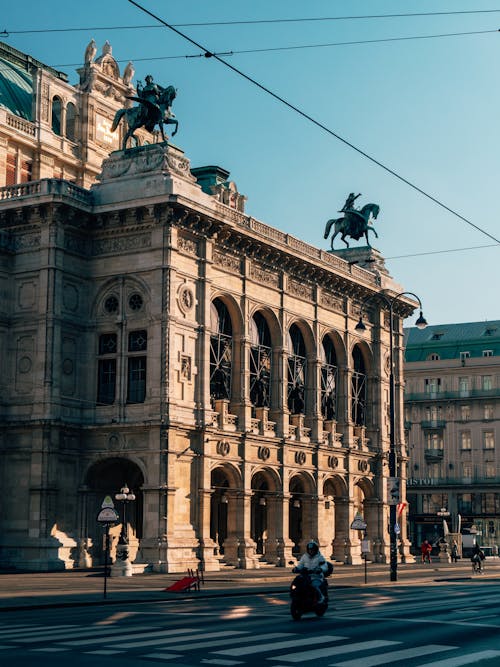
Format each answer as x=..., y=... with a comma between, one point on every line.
x=354, y=224
x=148, y=115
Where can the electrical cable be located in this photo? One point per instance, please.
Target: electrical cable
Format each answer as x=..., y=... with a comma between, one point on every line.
x=442, y=252
x=314, y=121
x=6, y=32
x=298, y=47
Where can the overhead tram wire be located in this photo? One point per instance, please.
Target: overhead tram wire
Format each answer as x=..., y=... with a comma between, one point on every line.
x=306, y=19
x=298, y=47
x=237, y=71
x=443, y=252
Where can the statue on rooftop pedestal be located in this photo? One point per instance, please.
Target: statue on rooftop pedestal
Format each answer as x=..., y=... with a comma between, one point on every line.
x=154, y=108
x=355, y=223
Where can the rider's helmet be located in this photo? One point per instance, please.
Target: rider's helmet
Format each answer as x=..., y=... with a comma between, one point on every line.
x=312, y=548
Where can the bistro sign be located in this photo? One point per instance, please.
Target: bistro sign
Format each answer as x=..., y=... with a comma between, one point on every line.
x=421, y=481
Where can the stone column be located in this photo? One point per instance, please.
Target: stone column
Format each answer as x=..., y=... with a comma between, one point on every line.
x=209, y=561
x=279, y=411
x=285, y=544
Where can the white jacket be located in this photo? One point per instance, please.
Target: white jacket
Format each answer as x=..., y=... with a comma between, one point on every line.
x=314, y=562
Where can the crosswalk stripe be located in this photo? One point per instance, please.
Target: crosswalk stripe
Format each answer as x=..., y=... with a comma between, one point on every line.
x=185, y=640
x=36, y=633
x=103, y=651
x=162, y=656
x=274, y=646
x=32, y=630
x=394, y=656
x=234, y=640
x=93, y=631
x=123, y=633
x=460, y=660
x=220, y=662
x=333, y=650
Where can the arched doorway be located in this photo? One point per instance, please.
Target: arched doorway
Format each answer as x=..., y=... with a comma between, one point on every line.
x=219, y=503
x=296, y=510
x=106, y=478
x=259, y=512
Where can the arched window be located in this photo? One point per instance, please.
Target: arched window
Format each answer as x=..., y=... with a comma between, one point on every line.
x=56, y=115
x=260, y=362
x=329, y=379
x=221, y=351
x=358, y=388
x=296, y=371
x=71, y=122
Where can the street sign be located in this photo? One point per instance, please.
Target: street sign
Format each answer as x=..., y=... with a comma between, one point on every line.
x=358, y=523
x=393, y=490
x=107, y=502
x=107, y=515
x=401, y=508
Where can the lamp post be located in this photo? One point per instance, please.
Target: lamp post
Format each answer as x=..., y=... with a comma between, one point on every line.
x=421, y=323
x=126, y=496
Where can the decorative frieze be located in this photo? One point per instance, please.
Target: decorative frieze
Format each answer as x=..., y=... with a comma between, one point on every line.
x=121, y=244
x=332, y=302
x=187, y=245
x=301, y=290
x=228, y=262
x=262, y=275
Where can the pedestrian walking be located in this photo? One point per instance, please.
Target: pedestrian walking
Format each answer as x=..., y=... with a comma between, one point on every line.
x=454, y=552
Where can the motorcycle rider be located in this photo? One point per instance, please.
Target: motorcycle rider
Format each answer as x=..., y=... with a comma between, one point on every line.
x=314, y=561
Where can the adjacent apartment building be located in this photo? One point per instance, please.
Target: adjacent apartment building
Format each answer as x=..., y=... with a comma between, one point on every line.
x=452, y=419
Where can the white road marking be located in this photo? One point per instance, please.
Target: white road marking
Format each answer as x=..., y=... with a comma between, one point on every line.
x=460, y=660
x=274, y=646
x=126, y=633
x=92, y=631
x=162, y=656
x=234, y=640
x=333, y=650
x=394, y=656
x=185, y=640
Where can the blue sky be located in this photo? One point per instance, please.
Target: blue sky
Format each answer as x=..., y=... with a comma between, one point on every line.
x=426, y=108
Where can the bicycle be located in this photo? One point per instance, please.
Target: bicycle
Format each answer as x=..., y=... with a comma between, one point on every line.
x=477, y=565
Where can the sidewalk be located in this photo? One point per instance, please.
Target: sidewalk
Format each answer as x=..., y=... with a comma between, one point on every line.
x=86, y=587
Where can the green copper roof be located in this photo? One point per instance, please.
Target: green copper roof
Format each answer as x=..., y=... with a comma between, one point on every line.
x=16, y=80
x=449, y=340
x=16, y=89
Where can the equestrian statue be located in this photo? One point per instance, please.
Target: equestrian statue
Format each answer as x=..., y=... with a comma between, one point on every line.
x=355, y=222
x=154, y=109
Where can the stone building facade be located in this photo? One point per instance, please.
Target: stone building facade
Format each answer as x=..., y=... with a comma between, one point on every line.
x=52, y=129
x=452, y=414
x=154, y=334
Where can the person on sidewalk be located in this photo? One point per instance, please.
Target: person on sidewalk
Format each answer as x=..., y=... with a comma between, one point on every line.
x=314, y=561
x=454, y=552
x=425, y=550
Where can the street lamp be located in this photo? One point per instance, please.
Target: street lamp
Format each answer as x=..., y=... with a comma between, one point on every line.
x=126, y=496
x=421, y=323
x=444, y=514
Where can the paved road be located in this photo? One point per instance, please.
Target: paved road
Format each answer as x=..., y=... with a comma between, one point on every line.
x=445, y=625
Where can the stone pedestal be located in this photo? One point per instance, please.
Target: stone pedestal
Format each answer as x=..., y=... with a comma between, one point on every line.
x=122, y=567
x=146, y=172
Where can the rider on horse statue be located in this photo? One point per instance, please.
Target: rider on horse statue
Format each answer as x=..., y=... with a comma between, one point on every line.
x=355, y=223
x=154, y=109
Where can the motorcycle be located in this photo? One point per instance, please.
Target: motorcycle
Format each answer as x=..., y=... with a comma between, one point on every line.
x=304, y=595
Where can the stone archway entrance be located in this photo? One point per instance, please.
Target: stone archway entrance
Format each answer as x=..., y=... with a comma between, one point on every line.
x=106, y=478
x=219, y=503
x=296, y=510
